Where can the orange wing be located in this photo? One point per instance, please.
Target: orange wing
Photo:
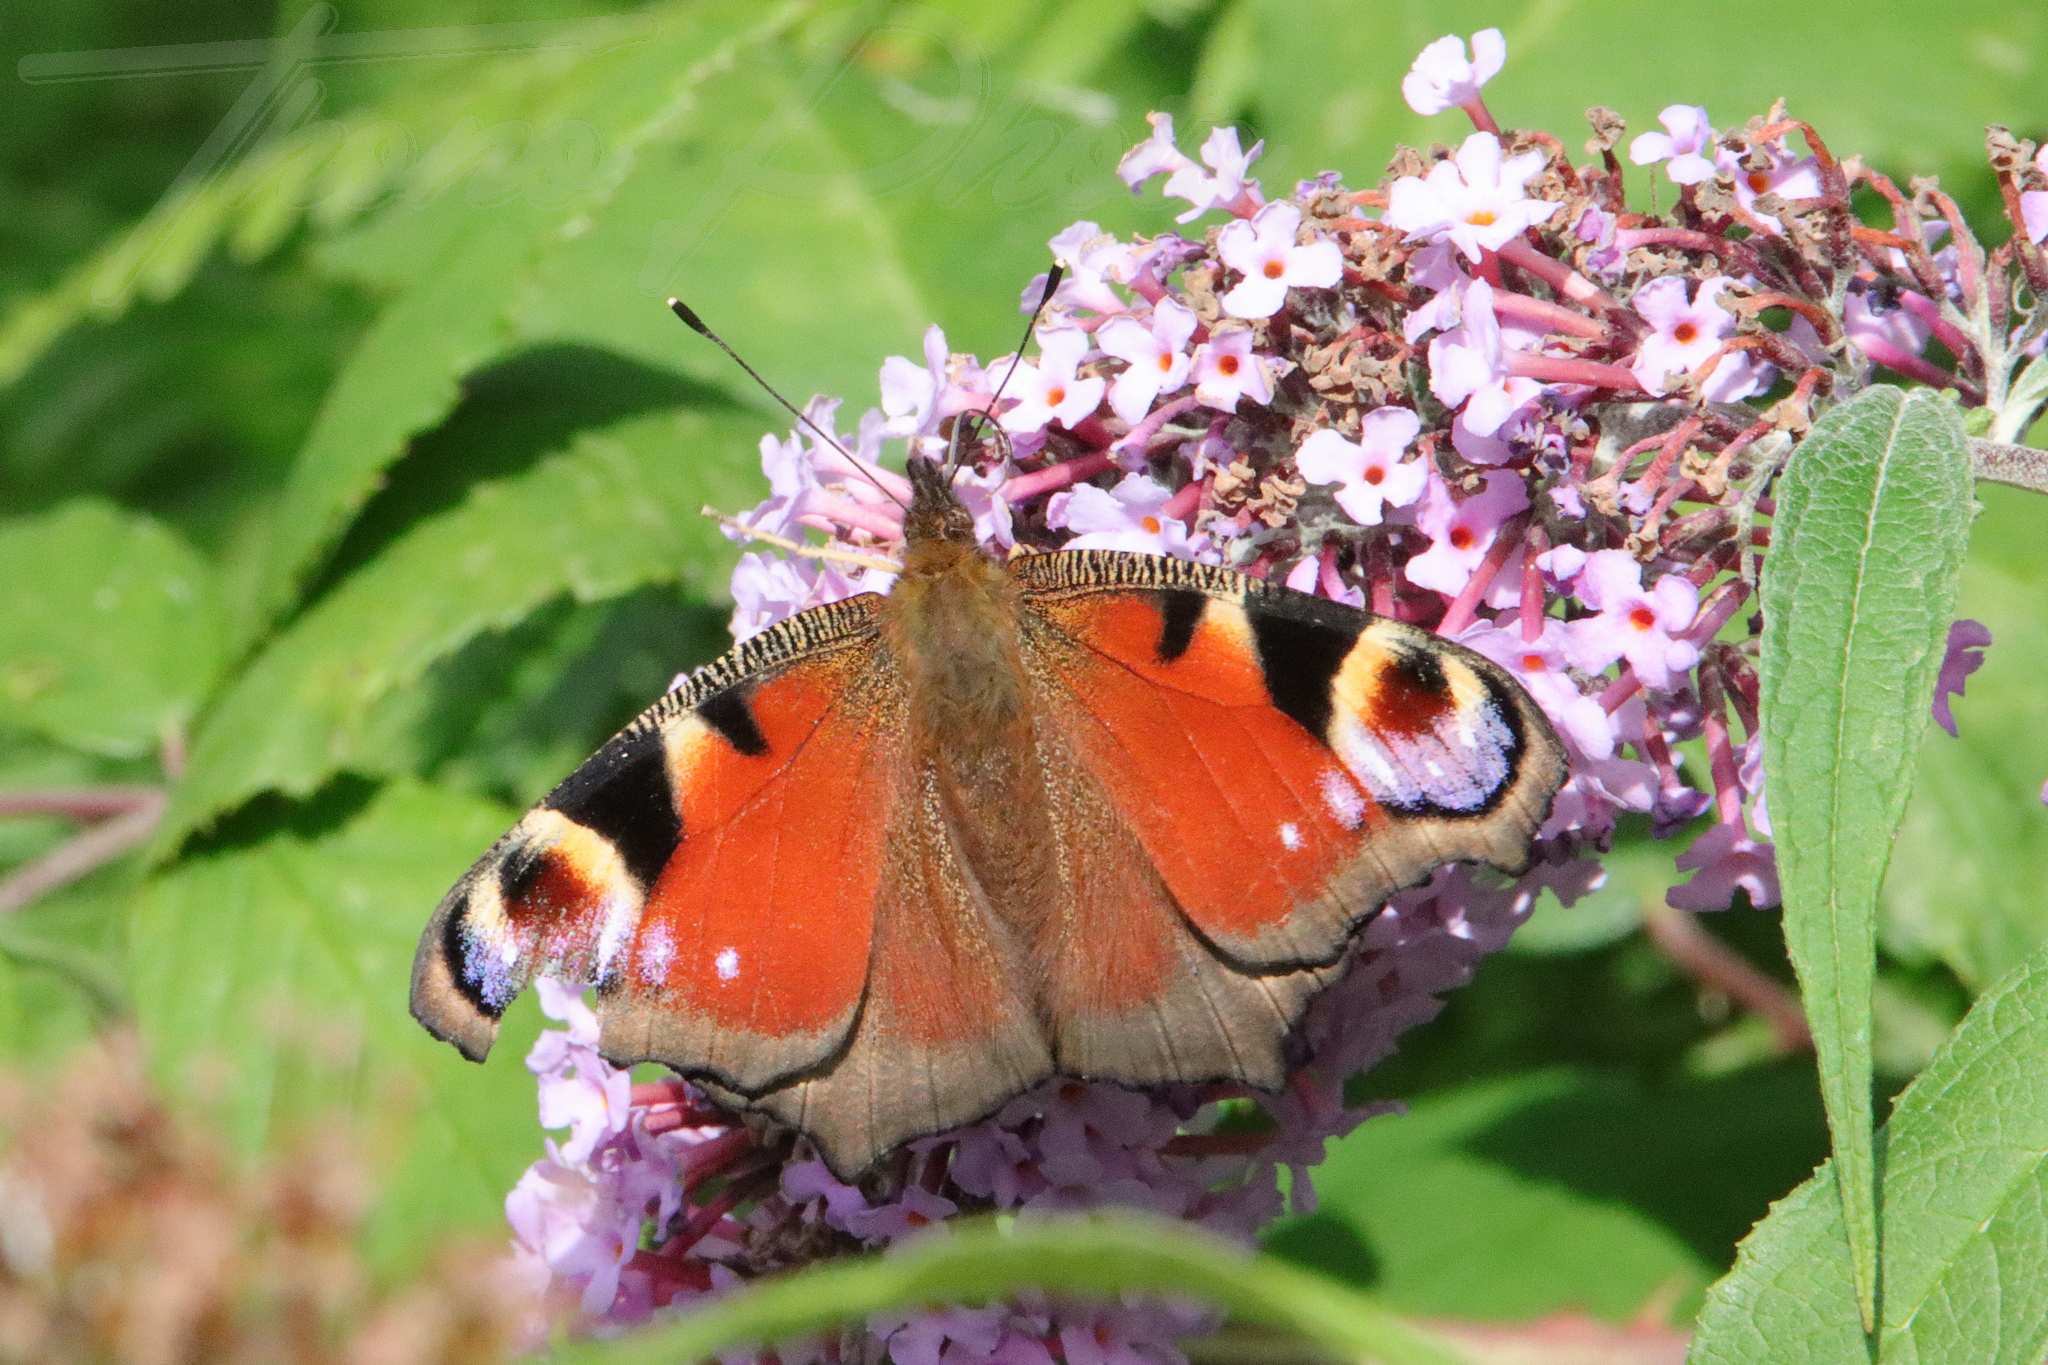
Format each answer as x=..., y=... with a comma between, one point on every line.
x=1283, y=765
x=761, y=880
x=704, y=855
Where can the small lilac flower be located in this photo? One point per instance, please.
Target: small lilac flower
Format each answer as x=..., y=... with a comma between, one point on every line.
x=1158, y=154
x=1787, y=176
x=1093, y=260
x=1369, y=472
x=1131, y=516
x=1435, y=268
x=1724, y=859
x=578, y=1090
x=1685, y=332
x=1468, y=366
x=1477, y=202
x=1050, y=390
x=1224, y=185
x=1543, y=666
x=910, y=392
x=1444, y=78
x=1264, y=251
x=1635, y=624
x=1870, y=325
x=766, y=588
x=1686, y=133
x=1964, y=655
x=1461, y=532
x=1227, y=369
x=1155, y=356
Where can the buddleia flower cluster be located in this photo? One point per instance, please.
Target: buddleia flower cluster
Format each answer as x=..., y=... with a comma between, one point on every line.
x=1491, y=395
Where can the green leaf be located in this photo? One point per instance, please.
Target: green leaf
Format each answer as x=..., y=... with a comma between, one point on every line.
x=1867, y=544
x=112, y=634
x=1561, y=1189
x=451, y=319
x=270, y=977
x=827, y=229
x=974, y=1261
x=618, y=508
x=1965, y=1217
x=61, y=966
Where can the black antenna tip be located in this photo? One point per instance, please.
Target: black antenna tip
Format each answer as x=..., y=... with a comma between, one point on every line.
x=689, y=316
x=1052, y=283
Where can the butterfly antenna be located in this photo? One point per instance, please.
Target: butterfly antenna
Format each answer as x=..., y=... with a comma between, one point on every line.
x=698, y=325
x=987, y=414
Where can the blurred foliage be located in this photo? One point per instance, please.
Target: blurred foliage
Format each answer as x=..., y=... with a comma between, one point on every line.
x=349, y=484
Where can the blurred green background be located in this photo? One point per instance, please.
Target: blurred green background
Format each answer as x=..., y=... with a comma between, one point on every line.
x=349, y=482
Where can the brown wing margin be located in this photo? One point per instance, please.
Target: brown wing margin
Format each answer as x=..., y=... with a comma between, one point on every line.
x=563, y=889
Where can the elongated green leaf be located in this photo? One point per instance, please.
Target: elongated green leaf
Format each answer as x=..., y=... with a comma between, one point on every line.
x=270, y=978
x=1872, y=519
x=112, y=630
x=973, y=1262
x=406, y=376
x=620, y=507
x=1965, y=1217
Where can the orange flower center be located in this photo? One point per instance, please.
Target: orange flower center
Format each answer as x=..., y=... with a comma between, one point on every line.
x=1227, y=364
x=1275, y=269
x=1641, y=617
x=1165, y=362
x=1532, y=663
x=1151, y=524
x=1374, y=474
x=1461, y=537
x=1055, y=396
x=1759, y=181
x=1684, y=333
x=1480, y=218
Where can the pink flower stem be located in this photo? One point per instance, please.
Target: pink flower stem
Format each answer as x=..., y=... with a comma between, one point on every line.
x=1617, y=693
x=714, y=1157
x=1185, y=500
x=1558, y=369
x=1929, y=312
x=1905, y=362
x=1327, y=575
x=1569, y=283
x=1482, y=117
x=1721, y=760
x=1721, y=604
x=829, y=513
x=1545, y=315
x=1466, y=604
x=1093, y=433
x=891, y=482
x=1628, y=239
x=1065, y=474
x=1218, y=1144
x=1379, y=576
x=1532, y=586
x=81, y=854
x=1141, y=435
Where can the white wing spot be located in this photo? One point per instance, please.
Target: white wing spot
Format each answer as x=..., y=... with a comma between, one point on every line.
x=1290, y=836
x=1342, y=797
x=656, y=951
x=727, y=963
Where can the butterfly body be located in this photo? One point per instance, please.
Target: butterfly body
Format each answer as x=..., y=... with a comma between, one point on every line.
x=898, y=859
